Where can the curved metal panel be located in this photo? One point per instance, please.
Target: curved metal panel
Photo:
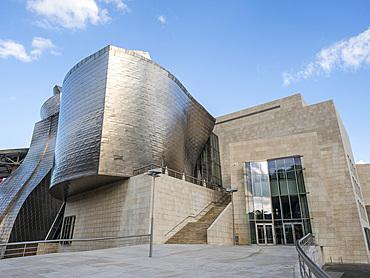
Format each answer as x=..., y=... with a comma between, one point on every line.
x=50, y=107
x=19, y=185
x=120, y=111
x=80, y=122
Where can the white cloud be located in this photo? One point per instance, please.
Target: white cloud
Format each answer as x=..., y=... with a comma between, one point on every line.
x=161, y=19
x=119, y=4
x=73, y=14
x=362, y=162
x=40, y=45
x=350, y=54
x=11, y=48
x=13, y=98
x=52, y=52
x=68, y=13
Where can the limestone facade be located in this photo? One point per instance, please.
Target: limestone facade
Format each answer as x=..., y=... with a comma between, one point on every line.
x=363, y=171
x=289, y=127
x=124, y=207
x=221, y=231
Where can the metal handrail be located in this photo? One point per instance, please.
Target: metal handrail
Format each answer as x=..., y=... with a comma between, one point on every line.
x=177, y=175
x=191, y=216
x=70, y=240
x=306, y=266
x=33, y=247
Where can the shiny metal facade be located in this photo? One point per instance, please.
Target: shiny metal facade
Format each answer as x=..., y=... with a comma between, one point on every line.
x=121, y=111
x=50, y=107
x=17, y=188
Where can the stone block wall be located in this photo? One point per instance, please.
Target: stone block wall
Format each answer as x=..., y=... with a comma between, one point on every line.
x=221, y=231
x=124, y=207
x=363, y=171
x=289, y=127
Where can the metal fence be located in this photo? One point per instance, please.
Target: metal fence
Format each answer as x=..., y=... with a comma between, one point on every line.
x=307, y=268
x=178, y=175
x=41, y=247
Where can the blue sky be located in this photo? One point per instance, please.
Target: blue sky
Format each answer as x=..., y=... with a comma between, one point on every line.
x=230, y=55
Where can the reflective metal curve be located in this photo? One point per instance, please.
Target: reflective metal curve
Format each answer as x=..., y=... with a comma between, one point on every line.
x=121, y=111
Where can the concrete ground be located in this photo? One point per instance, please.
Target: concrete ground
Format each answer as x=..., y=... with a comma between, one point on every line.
x=170, y=260
x=347, y=270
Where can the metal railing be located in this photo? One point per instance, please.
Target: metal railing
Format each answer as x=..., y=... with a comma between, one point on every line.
x=194, y=218
x=307, y=268
x=41, y=247
x=178, y=175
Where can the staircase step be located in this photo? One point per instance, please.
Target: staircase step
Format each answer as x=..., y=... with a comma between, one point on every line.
x=196, y=232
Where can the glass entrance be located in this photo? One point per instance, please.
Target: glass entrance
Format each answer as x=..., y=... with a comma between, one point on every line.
x=276, y=199
x=293, y=232
x=265, y=234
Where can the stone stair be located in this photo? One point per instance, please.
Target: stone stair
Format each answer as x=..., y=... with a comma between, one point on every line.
x=196, y=232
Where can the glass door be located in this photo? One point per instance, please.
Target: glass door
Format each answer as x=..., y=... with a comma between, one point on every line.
x=261, y=234
x=265, y=234
x=298, y=231
x=293, y=232
x=269, y=234
x=288, y=231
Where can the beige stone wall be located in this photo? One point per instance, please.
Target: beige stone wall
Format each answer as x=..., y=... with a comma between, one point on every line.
x=221, y=231
x=363, y=171
x=316, y=133
x=175, y=200
x=124, y=207
x=117, y=209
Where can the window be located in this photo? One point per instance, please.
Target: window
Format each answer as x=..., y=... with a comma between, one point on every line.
x=276, y=196
x=367, y=233
x=68, y=228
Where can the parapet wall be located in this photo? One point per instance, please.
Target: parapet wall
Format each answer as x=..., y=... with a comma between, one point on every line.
x=123, y=207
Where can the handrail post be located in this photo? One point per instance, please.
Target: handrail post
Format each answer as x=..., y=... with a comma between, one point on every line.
x=152, y=222
x=305, y=261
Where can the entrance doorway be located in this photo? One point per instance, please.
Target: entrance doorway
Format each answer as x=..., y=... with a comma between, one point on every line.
x=265, y=234
x=292, y=232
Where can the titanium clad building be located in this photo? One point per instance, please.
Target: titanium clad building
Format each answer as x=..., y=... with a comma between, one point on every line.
x=27, y=210
x=122, y=114
x=119, y=112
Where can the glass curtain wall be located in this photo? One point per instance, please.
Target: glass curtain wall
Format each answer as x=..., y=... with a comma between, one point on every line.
x=276, y=201
x=208, y=165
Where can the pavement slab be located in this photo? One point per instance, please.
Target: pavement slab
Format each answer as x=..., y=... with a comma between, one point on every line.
x=169, y=260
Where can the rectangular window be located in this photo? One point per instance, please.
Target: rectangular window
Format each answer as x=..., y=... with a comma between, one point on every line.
x=283, y=184
x=272, y=166
x=68, y=228
x=294, y=204
x=286, y=207
x=276, y=207
x=265, y=185
x=255, y=168
x=253, y=232
x=274, y=188
x=289, y=164
x=292, y=185
x=301, y=186
x=367, y=233
x=257, y=185
x=304, y=206
x=267, y=208
x=280, y=165
x=258, y=207
x=297, y=163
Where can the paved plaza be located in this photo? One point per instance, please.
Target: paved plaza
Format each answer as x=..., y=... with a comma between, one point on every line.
x=171, y=260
